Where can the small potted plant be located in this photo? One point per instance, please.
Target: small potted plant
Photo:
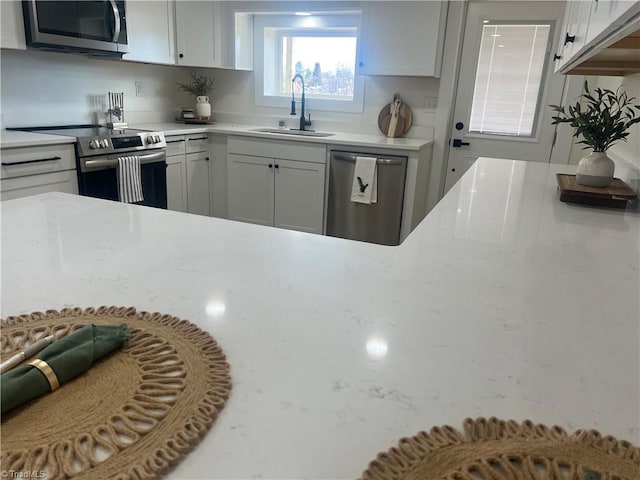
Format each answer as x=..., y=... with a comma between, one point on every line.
x=601, y=119
x=200, y=87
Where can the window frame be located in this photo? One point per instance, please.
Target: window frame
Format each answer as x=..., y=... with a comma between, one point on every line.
x=268, y=33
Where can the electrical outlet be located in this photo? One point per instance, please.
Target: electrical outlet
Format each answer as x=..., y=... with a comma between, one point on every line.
x=430, y=103
x=139, y=89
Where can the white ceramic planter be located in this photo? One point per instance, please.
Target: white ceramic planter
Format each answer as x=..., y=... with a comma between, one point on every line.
x=595, y=170
x=203, y=107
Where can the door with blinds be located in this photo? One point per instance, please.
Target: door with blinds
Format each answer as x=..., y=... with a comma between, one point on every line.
x=505, y=85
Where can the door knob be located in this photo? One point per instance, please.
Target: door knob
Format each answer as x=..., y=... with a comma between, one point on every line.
x=459, y=143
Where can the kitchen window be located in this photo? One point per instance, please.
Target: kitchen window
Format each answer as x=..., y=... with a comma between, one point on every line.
x=322, y=48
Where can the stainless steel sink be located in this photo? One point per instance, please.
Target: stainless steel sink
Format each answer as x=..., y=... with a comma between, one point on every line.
x=302, y=133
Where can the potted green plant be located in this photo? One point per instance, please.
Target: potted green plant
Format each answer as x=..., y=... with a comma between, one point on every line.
x=601, y=118
x=200, y=86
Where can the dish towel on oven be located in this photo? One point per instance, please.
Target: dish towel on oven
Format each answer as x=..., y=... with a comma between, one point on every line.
x=364, y=188
x=129, y=180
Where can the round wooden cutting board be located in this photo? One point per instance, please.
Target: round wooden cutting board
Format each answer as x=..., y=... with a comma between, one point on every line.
x=394, y=120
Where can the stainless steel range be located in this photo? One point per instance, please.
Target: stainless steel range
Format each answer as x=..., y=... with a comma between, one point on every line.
x=97, y=151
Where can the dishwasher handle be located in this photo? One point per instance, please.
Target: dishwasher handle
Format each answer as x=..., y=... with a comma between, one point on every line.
x=379, y=161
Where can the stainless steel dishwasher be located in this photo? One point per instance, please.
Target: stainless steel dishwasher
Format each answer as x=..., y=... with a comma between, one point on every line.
x=377, y=222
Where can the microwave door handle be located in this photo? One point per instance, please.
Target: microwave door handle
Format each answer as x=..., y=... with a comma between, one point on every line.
x=116, y=17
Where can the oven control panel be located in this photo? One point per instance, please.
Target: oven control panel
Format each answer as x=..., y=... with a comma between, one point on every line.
x=123, y=142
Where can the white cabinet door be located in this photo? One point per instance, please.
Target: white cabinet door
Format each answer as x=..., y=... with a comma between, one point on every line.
x=606, y=15
x=299, y=195
x=250, y=189
x=402, y=38
x=198, y=190
x=177, y=183
x=198, y=33
x=66, y=182
x=573, y=36
x=150, y=30
x=12, y=33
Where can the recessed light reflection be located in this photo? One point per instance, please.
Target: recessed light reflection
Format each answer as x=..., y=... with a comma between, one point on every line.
x=377, y=348
x=216, y=308
x=303, y=14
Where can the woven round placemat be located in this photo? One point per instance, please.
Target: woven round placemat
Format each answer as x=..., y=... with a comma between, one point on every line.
x=493, y=449
x=132, y=415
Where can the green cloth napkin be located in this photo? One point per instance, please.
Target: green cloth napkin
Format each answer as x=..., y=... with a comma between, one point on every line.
x=68, y=357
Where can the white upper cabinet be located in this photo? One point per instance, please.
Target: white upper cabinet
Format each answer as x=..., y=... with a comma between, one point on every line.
x=12, y=33
x=150, y=29
x=198, y=34
x=607, y=14
x=402, y=38
x=574, y=31
x=596, y=38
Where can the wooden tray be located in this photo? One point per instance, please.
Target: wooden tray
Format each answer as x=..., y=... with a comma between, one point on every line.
x=616, y=195
x=197, y=121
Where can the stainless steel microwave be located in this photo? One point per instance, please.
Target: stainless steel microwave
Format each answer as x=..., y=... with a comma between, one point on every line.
x=92, y=27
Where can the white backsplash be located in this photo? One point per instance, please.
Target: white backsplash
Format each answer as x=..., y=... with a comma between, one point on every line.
x=45, y=88
x=233, y=101
x=626, y=155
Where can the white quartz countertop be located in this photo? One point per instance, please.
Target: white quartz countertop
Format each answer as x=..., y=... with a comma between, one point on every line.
x=14, y=138
x=378, y=141
x=503, y=302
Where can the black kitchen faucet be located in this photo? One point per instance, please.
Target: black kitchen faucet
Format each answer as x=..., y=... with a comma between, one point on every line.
x=303, y=121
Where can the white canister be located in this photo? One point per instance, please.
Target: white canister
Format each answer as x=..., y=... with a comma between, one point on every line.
x=203, y=107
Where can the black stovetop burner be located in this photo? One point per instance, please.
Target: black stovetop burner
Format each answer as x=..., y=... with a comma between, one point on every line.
x=80, y=131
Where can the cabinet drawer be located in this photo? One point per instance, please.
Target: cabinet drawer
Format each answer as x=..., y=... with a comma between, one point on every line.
x=176, y=145
x=18, y=162
x=197, y=143
x=19, y=187
x=259, y=147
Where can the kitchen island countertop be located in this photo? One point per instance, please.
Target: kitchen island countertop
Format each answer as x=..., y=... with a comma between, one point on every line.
x=502, y=302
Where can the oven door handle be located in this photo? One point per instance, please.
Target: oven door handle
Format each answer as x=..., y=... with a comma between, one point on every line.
x=102, y=163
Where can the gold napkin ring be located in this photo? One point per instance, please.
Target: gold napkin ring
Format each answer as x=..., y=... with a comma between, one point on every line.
x=47, y=371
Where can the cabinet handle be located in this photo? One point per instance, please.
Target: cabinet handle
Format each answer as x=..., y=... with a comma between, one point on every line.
x=569, y=39
x=277, y=166
x=181, y=56
x=556, y=57
x=50, y=159
x=206, y=158
x=198, y=138
x=175, y=141
x=270, y=165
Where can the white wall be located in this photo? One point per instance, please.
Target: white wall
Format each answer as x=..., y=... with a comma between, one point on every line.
x=626, y=155
x=45, y=88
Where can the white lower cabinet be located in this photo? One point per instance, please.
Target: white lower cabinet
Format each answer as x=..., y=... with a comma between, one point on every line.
x=198, y=190
x=298, y=196
x=65, y=182
x=33, y=170
x=188, y=176
x=276, y=191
